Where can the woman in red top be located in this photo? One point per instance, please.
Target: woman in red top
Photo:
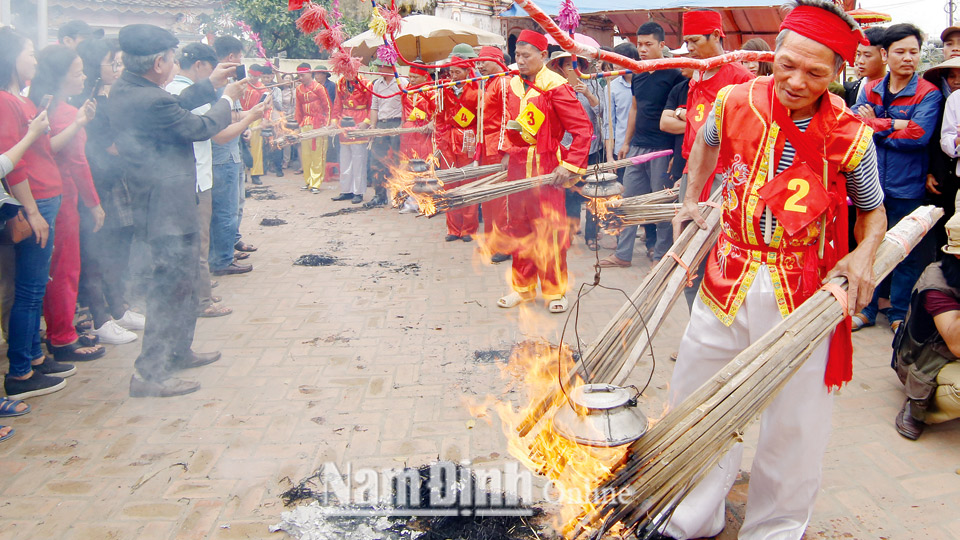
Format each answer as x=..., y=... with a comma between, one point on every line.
x=35, y=182
x=60, y=74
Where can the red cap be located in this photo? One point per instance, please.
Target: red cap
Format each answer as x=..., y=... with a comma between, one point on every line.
x=492, y=52
x=303, y=69
x=827, y=28
x=702, y=22
x=414, y=70
x=536, y=39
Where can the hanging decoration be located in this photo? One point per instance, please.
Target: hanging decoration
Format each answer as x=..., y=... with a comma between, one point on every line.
x=568, y=19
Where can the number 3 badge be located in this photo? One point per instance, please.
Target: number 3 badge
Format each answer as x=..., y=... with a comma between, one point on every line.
x=796, y=197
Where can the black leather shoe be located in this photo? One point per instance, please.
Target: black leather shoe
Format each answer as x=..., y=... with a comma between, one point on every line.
x=357, y=199
x=377, y=201
x=193, y=359
x=451, y=237
x=907, y=425
x=467, y=238
x=168, y=388
x=256, y=181
x=499, y=258
x=343, y=197
x=234, y=268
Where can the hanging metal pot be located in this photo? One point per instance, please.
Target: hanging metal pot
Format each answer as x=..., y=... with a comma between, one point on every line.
x=601, y=186
x=423, y=181
x=601, y=415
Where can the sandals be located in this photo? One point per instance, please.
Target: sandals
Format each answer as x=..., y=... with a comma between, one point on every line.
x=859, y=321
x=214, y=310
x=8, y=408
x=614, y=262
x=559, y=305
x=8, y=435
x=71, y=353
x=593, y=245
x=513, y=299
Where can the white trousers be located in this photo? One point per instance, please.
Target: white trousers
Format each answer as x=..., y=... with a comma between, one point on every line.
x=794, y=429
x=353, y=168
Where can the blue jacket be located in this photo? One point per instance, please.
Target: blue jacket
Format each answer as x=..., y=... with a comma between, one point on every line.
x=902, y=155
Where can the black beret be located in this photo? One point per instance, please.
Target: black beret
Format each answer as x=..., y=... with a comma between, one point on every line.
x=145, y=39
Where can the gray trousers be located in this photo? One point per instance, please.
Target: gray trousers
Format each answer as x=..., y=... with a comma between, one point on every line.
x=690, y=293
x=204, y=211
x=353, y=168
x=640, y=180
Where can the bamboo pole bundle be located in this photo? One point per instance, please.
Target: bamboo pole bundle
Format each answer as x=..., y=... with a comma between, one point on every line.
x=380, y=132
x=465, y=173
x=471, y=195
x=671, y=459
x=295, y=138
x=643, y=214
x=624, y=339
x=663, y=196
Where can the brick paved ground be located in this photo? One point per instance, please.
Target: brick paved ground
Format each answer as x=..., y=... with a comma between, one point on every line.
x=369, y=362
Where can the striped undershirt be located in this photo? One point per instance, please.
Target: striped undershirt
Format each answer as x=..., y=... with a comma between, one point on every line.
x=863, y=183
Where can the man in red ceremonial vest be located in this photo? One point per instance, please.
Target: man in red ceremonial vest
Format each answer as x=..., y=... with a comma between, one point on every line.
x=351, y=110
x=312, y=111
x=419, y=110
x=458, y=143
x=703, y=35
x=252, y=95
x=790, y=153
x=544, y=107
x=493, y=147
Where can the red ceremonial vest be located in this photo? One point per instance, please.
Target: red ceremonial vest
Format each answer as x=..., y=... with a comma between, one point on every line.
x=747, y=132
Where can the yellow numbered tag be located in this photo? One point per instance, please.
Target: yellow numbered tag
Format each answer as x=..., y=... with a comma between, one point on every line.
x=531, y=118
x=463, y=117
x=416, y=114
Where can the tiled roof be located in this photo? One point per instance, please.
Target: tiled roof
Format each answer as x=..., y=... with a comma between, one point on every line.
x=138, y=5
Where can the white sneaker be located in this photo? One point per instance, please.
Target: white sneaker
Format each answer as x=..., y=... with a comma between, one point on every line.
x=112, y=334
x=132, y=321
x=314, y=191
x=304, y=188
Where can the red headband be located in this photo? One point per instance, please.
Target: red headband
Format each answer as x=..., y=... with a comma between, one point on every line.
x=702, y=23
x=491, y=52
x=536, y=39
x=303, y=69
x=826, y=28
x=418, y=71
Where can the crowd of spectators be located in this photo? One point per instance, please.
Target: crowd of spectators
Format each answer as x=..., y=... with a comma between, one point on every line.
x=97, y=176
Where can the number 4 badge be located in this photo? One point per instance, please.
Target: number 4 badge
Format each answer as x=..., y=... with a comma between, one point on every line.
x=796, y=197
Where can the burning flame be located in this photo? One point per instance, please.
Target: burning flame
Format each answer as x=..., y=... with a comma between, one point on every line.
x=574, y=469
x=401, y=182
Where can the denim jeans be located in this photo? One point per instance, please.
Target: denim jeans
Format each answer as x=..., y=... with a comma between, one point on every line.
x=223, y=217
x=33, y=272
x=905, y=274
x=640, y=180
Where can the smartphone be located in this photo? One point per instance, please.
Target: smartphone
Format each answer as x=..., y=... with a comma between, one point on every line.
x=263, y=98
x=44, y=103
x=241, y=72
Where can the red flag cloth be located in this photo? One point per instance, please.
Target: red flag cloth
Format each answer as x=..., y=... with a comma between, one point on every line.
x=414, y=70
x=536, y=39
x=702, y=22
x=293, y=5
x=826, y=28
